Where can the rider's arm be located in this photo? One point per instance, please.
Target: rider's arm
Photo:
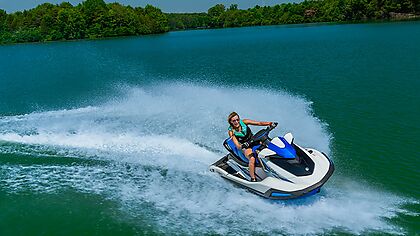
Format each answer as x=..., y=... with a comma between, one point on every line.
x=258, y=123
x=235, y=141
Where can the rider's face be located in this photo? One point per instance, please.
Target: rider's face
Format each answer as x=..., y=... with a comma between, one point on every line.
x=235, y=121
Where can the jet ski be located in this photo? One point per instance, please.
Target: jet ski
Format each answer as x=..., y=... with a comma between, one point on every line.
x=284, y=170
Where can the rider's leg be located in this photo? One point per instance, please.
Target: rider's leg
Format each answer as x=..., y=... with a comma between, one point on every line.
x=248, y=153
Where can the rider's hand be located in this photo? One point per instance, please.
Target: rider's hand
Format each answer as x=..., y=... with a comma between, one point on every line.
x=245, y=145
x=273, y=124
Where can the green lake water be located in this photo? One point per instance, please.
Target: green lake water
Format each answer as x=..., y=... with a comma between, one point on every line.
x=114, y=137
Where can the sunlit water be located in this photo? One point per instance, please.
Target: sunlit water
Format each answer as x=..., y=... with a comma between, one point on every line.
x=146, y=146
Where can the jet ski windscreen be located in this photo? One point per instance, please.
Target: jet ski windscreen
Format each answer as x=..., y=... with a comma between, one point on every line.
x=285, y=150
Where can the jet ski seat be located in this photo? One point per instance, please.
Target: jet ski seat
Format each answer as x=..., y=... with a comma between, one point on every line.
x=238, y=154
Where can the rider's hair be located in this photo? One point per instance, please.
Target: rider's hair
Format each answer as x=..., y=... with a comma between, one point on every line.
x=231, y=115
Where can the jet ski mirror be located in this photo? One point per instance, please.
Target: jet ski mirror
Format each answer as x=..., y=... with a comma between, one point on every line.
x=273, y=126
x=289, y=138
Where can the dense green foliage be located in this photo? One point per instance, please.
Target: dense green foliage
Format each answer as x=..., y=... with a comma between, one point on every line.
x=304, y=12
x=96, y=19
x=180, y=21
x=90, y=19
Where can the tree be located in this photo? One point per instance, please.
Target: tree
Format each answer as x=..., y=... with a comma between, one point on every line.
x=157, y=20
x=332, y=10
x=355, y=10
x=233, y=7
x=71, y=24
x=93, y=13
x=215, y=14
x=3, y=16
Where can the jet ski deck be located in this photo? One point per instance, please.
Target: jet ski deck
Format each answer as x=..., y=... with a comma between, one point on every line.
x=224, y=165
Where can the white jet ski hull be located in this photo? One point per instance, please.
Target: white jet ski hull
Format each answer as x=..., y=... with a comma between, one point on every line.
x=283, y=180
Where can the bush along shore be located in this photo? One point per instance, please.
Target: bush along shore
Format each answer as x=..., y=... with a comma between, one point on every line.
x=95, y=19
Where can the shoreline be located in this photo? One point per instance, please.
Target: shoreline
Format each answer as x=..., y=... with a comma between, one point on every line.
x=391, y=20
x=416, y=18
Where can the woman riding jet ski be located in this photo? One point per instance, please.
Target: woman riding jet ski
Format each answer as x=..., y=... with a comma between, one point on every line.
x=283, y=169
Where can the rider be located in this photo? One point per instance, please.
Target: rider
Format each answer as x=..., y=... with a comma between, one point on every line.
x=241, y=134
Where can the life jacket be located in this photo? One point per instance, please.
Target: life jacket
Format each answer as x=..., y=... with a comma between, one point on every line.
x=244, y=135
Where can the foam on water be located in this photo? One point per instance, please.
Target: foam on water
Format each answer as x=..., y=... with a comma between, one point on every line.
x=158, y=142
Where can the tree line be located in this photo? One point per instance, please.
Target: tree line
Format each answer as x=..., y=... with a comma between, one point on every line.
x=308, y=11
x=89, y=19
x=96, y=19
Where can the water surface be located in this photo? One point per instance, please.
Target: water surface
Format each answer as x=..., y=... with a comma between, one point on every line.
x=115, y=136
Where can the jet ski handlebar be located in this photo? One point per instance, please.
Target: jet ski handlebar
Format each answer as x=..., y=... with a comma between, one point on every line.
x=273, y=126
x=260, y=137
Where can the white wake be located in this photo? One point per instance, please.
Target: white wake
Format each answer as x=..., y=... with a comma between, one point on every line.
x=158, y=142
